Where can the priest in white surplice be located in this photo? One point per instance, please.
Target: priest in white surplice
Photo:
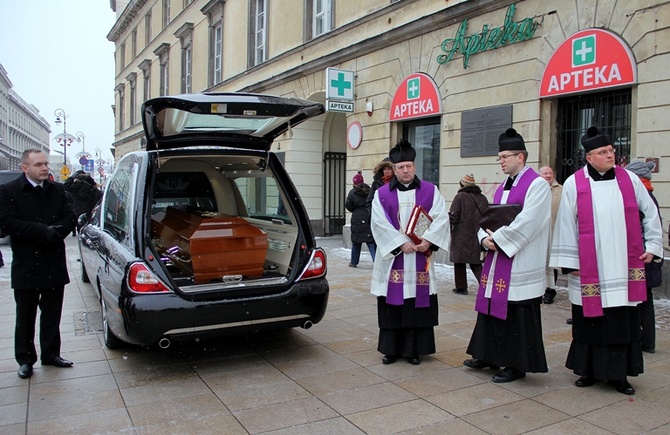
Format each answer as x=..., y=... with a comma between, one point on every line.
x=403, y=277
x=606, y=230
x=508, y=332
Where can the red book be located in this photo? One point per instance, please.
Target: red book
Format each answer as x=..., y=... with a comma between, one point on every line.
x=418, y=223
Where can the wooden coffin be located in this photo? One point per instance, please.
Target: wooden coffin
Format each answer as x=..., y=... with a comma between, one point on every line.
x=210, y=245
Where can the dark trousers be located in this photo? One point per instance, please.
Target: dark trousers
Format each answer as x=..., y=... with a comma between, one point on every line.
x=648, y=321
x=50, y=302
x=460, y=274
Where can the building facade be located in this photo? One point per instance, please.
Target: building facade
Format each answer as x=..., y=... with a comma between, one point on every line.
x=21, y=126
x=449, y=76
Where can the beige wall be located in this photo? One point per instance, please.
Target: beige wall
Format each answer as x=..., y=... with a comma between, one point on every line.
x=383, y=43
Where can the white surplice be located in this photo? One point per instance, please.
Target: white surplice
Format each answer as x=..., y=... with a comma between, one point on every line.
x=611, y=242
x=526, y=241
x=388, y=239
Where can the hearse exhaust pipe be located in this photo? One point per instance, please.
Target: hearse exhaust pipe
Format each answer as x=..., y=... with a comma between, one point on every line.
x=308, y=324
x=164, y=343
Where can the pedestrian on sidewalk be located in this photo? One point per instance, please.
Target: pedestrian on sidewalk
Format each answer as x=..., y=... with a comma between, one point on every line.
x=403, y=277
x=37, y=214
x=547, y=173
x=598, y=242
x=360, y=219
x=653, y=270
x=508, y=331
x=464, y=215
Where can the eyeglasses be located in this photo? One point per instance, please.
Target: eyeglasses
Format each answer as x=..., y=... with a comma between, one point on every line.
x=604, y=153
x=506, y=156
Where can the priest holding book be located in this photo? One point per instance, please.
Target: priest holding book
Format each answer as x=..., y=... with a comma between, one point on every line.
x=409, y=223
x=508, y=331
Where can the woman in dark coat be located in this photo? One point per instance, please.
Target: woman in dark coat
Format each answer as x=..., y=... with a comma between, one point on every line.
x=84, y=194
x=383, y=173
x=464, y=216
x=360, y=220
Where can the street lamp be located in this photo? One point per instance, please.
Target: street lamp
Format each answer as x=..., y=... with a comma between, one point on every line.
x=83, y=155
x=65, y=140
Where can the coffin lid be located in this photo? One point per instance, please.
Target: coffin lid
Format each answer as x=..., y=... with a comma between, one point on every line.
x=239, y=120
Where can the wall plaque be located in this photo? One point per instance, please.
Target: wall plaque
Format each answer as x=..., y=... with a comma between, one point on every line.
x=480, y=129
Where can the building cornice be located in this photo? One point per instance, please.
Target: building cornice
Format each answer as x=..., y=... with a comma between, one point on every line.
x=126, y=19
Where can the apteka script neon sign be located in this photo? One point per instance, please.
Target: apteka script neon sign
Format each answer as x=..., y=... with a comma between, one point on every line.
x=488, y=39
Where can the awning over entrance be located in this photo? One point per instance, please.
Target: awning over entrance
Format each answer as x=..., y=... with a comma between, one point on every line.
x=591, y=59
x=416, y=97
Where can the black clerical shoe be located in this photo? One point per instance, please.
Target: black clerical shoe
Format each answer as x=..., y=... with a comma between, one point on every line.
x=648, y=349
x=388, y=359
x=622, y=386
x=415, y=360
x=549, y=295
x=57, y=362
x=585, y=381
x=568, y=321
x=508, y=374
x=25, y=371
x=460, y=291
x=475, y=363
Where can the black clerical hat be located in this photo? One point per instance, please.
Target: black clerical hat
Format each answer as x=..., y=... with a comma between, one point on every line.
x=510, y=140
x=402, y=152
x=594, y=138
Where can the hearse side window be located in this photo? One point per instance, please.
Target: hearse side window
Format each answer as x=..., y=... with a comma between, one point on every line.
x=262, y=198
x=118, y=201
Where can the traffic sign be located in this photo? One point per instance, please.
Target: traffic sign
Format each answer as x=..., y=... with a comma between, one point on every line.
x=65, y=171
x=101, y=170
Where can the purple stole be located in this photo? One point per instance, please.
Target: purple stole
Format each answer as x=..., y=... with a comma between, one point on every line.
x=588, y=262
x=423, y=195
x=496, y=306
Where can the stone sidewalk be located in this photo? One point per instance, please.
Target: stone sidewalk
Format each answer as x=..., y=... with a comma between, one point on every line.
x=325, y=380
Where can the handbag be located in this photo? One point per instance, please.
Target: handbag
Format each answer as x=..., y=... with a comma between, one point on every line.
x=499, y=215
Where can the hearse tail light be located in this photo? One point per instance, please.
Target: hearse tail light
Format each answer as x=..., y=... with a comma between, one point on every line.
x=141, y=280
x=316, y=267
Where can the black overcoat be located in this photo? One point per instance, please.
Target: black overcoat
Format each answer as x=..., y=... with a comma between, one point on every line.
x=464, y=216
x=25, y=215
x=360, y=218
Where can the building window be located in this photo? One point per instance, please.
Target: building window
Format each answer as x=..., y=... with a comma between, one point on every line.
x=133, y=41
x=258, y=31
x=217, y=72
x=322, y=17
x=185, y=35
x=145, y=66
x=121, y=90
x=132, y=81
x=163, y=53
x=147, y=28
x=214, y=11
x=166, y=13
x=424, y=135
x=122, y=56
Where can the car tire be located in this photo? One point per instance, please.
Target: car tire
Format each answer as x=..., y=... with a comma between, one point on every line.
x=84, y=275
x=111, y=341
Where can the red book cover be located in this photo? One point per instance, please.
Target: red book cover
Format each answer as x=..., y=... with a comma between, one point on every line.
x=418, y=223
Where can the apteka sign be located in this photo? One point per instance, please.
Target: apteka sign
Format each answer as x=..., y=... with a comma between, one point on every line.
x=589, y=60
x=416, y=97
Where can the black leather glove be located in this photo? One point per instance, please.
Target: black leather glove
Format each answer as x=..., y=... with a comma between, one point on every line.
x=53, y=235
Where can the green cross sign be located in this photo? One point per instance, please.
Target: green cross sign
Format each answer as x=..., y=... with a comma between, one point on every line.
x=413, y=88
x=340, y=84
x=584, y=50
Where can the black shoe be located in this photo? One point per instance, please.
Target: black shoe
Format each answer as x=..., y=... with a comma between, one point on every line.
x=622, y=386
x=388, y=359
x=462, y=291
x=475, y=363
x=549, y=295
x=352, y=265
x=415, y=360
x=508, y=374
x=585, y=381
x=2, y=264
x=569, y=321
x=57, y=362
x=648, y=349
x=25, y=371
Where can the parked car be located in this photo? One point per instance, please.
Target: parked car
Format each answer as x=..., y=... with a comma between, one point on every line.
x=207, y=193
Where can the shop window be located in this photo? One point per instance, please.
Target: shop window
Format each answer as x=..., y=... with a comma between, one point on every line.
x=609, y=111
x=424, y=135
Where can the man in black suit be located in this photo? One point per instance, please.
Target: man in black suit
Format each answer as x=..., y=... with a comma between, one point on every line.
x=37, y=214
